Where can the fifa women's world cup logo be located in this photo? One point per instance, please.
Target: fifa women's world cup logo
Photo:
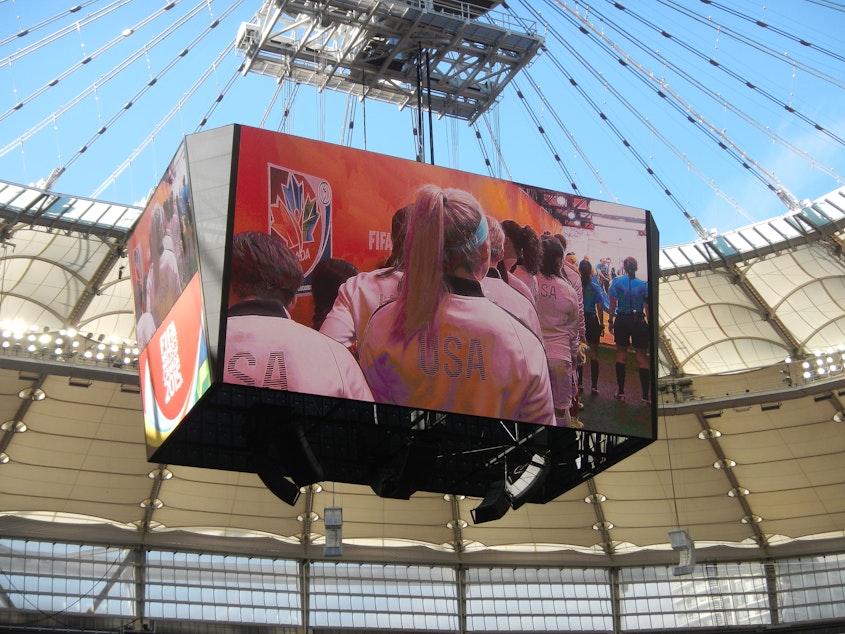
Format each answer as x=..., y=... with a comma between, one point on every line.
x=300, y=214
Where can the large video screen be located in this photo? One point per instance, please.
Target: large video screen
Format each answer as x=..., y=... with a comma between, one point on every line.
x=170, y=324
x=372, y=278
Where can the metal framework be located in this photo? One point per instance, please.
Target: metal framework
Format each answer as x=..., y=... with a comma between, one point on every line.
x=436, y=55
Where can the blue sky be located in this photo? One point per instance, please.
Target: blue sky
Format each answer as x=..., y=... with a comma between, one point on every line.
x=715, y=50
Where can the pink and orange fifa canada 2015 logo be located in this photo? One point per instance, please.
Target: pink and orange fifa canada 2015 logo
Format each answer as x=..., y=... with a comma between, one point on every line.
x=299, y=209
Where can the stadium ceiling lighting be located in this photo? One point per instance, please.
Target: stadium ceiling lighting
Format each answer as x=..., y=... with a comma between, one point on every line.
x=161, y=474
x=4, y=458
x=739, y=492
x=32, y=394
x=607, y=526
x=751, y=519
x=67, y=344
x=17, y=426
x=709, y=434
x=596, y=498
x=724, y=463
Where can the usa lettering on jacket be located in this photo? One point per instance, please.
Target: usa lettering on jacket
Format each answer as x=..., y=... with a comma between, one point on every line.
x=547, y=290
x=459, y=358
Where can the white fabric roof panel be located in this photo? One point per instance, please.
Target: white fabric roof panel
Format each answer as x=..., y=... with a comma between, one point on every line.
x=709, y=308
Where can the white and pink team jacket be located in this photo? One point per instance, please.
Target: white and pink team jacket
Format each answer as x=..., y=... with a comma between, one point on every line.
x=503, y=294
x=357, y=299
x=521, y=287
x=275, y=352
x=482, y=361
x=521, y=273
x=557, y=307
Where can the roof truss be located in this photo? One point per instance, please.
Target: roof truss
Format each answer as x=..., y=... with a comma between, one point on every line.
x=441, y=58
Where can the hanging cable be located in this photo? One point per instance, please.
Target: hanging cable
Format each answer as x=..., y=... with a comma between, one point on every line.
x=270, y=105
x=739, y=78
x=219, y=97
x=828, y=4
x=534, y=117
x=681, y=155
x=776, y=54
x=168, y=67
x=414, y=132
x=35, y=27
x=766, y=177
x=348, y=123
x=430, y=114
x=581, y=154
x=104, y=79
x=679, y=105
x=494, y=139
x=288, y=106
x=798, y=152
x=364, y=108
x=420, y=134
x=163, y=122
x=548, y=142
x=483, y=149
x=774, y=29
x=693, y=222
x=53, y=37
x=80, y=64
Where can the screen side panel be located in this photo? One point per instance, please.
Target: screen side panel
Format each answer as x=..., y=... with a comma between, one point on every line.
x=653, y=311
x=170, y=329
x=210, y=162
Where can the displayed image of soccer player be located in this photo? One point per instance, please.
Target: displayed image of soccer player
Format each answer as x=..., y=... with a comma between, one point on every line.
x=326, y=279
x=360, y=295
x=264, y=346
x=442, y=344
x=569, y=272
x=558, y=308
x=593, y=323
x=498, y=290
x=628, y=322
x=164, y=280
x=522, y=257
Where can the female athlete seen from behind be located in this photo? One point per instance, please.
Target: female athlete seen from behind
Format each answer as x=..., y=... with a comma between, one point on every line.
x=442, y=344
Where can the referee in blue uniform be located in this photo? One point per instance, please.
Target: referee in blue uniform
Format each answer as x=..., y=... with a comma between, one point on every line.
x=628, y=322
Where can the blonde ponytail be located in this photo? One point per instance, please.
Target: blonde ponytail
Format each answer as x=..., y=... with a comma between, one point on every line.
x=446, y=229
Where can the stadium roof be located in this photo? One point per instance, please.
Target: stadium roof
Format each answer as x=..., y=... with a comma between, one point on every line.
x=691, y=112
x=748, y=460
